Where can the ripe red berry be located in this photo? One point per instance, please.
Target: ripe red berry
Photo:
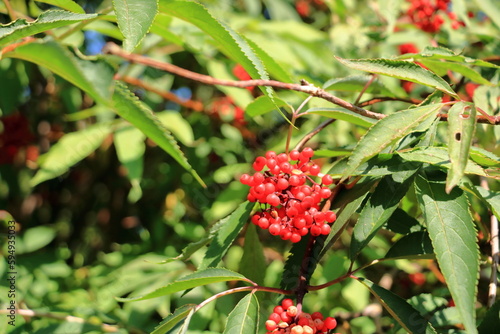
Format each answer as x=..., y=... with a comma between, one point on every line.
x=295, y=238
x=271, y=325
x=274, y=229
x=330, y=323
x=307, y=152
x=273, y=199
x=259, y=163
x=326, y=179
x=245, y=179
x=286, y=303
x=317, y=315
x=275, y=317
x=314, y=169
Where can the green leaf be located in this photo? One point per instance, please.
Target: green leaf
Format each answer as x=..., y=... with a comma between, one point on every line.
x=441, y=53
x=182, y=326
x=491, y=321
x=244, y=318
x=263, y=104
x=134, y=17
x=484, y=157
x=230, y=43
x=490, y=197
x=344, y=115
x=380, y=165
x=173, y=319
x=401, y=222
x=47, y=20
x=178, y=125
x=199, y=278
x=491, y=9
x=65, y=4
x=230, y=229
x=453, y=236
x=414, y=245
x=94, y=77
x=442, y=67
x=386, y=132
x=400, y=69
x=253, y=262
x=382, y=203
x=130, y=108
x=69, y=150
x=130, y=148
x=461, y=127
x=439, y=157
x=356, y=83
x=409, y=318
x=36, y=238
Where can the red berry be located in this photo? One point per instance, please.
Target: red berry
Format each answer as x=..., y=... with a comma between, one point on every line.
x=307, y=152
x=271, y=325
x=326, y=179
x=330, y=323
x=294, y=155
x=275, y=229
x=325, y=193
x=325, y=229
x=245, y=179
x=275, y=317
x=285, y=317
x=315, y=230
x=282, y=184
x=317, y=315
x=330, y=216
x=259, y=163
x=263, y=223
x=270, y=154
x=286, y=303
x=314, y=169
x=273, y=199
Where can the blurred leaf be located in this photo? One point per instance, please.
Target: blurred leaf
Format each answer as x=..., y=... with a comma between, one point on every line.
x=253, y=262
x=245, y=316
x=453, y=236
x=439, y=52
x=380, y=206
x=93, y=77
x=427, y=303
x=272, y=67
x=461, y=127
x=170, y=321
x=491, y=321
x=409, y=318
x=130, y=148
x=413, y=245
x=400, y=69
x=344, y=115
x=65, y=4
x=439, y=157
x=69, y=150
x=490, y=197
x=356, y=83
x=446, y=318
x=199, y=278
x=262, y=105
x=178, y=125
x=47, y=20
x=491, y=9
x=390, y=10
x=442, y=67
x=386, y=132
x=36, y=238
x=134, y=17
x=226, y=235
x=182, y=326
x=130, y=108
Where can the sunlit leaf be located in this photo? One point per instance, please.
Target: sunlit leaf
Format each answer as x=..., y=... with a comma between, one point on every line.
x=65, y=4
x=344, y=115
x=134, y=17
x=244, y=318
x=173, y=319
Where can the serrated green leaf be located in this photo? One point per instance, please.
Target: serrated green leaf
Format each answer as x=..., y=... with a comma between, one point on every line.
x=130, y=108
x=380, y=165
x=442, y=67
x=65, y=4
x=439, y=157
x=356, y=83
x=461, y=127
x=253, y=262
x=271, y=66
x=400, y=69
x=173, y=319
x=491, y=9
x=93, y=77
x=386, y=132
x=401, y=222
x=230, y=229
x=382, y=203
x=262, y=105
x=491, y=321
x=199, y=278
x=244, y=318
x=69, y=150
x=413, y=245
x=344, y=115
x=439, y=52
x=291, y=269
x=490, y=197
x=134, y=17
x=47, y=20
x=178, y=125
x=130, y=148
x=183, y=325
x=453, y=236
x=409, y=318
x=230, y=43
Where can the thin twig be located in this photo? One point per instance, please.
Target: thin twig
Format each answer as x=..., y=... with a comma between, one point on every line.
x=195, y=105
x=69, y=318
x=114, y=49
x=375, y=100
x=368, y=83
x=10, y=10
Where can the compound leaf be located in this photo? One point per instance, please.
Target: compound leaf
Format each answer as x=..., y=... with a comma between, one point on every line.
x=453, y=236
x=199, y=278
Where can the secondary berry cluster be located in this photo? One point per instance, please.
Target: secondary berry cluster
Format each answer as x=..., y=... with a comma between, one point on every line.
x=423, y=13
x=285, y=319
x=289, y=195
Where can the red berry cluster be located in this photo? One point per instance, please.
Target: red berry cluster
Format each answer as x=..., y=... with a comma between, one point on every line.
x=423, y=14
x=291, y=206
x=285, y=319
